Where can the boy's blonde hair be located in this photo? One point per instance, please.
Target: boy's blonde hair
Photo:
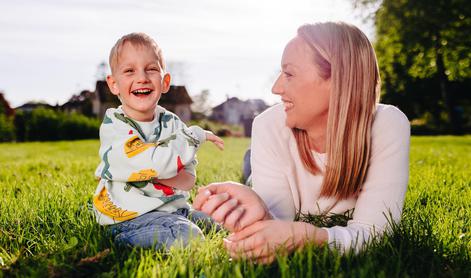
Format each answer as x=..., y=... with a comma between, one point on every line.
x=343, y=54
x=136, y=39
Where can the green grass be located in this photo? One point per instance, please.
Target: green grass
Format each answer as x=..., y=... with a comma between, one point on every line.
x=46, y=228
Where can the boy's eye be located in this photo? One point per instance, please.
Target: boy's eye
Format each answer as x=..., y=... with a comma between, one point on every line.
x=128, y=70
x=154, y=69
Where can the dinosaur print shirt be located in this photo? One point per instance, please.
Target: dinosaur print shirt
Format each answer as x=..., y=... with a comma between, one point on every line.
x=133, y=154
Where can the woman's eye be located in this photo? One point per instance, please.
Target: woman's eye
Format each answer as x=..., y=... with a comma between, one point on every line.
x=287, y=74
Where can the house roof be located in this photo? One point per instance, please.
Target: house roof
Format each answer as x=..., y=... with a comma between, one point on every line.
x=221, y=106
x=176, y=95
x=77, y=100
x=256, y=105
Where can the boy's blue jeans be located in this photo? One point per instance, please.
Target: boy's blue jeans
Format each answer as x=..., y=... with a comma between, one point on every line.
x=160, y=230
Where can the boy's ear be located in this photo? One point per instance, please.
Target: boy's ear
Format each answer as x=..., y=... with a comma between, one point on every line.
x=166, y=83
x=112, y=85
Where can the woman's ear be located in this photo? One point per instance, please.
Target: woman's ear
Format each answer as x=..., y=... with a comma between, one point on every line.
x=166, y=83
x=112, y=85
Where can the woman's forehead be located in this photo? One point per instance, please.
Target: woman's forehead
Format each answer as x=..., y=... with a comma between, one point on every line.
x=297, y=52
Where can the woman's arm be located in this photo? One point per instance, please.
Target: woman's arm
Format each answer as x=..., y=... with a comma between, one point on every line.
x=261, y=241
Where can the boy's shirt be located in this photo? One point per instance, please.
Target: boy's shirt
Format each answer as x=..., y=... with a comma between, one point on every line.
x=133, y=154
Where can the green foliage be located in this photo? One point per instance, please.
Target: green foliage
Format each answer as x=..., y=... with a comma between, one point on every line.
x=424, y=54
x=77, y=126
x=46, y=228
x=44, y=124
x=7, y=129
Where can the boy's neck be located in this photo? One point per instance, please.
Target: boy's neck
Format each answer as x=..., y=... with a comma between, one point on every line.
x=140, y=117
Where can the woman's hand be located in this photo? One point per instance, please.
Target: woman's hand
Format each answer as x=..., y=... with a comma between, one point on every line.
x=263, y=240
x=233, y=205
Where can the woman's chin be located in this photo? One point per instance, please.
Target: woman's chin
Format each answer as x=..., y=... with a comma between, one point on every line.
x=290, y=123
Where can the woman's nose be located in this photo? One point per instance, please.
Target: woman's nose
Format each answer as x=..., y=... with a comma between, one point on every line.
x=277, y=88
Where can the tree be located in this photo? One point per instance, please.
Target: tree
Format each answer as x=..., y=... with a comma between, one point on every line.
x=201, y=103
x=423, y=49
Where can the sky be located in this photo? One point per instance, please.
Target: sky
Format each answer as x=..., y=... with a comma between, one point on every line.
x=52, y=49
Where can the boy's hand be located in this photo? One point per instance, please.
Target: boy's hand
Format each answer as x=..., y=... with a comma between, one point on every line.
x=215, y=139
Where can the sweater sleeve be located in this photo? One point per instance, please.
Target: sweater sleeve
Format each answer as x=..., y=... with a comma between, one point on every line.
x=382, y=196
x=268, y=169
x=127, y=157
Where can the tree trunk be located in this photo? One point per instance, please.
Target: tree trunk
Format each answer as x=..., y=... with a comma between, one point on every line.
x=453, y=124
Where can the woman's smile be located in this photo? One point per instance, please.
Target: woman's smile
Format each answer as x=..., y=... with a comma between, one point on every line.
x=287, y=104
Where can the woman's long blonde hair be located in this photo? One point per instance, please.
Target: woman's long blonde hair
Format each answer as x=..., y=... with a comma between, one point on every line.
x=345, y=55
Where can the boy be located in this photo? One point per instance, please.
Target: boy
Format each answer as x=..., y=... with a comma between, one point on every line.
x=147, y=154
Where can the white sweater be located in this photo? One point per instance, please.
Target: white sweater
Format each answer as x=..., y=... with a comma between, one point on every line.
x=286, y=187
x=133, y=154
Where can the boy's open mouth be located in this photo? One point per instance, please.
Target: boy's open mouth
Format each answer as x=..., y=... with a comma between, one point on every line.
x=141, y=92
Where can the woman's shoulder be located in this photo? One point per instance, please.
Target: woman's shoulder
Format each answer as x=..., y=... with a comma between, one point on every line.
x=272, y=120
x=272, y=116
x=390, y=126
x=389, y=117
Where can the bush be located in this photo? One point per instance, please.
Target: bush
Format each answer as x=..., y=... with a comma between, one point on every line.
x=76, y=126
x=20, y=125
x=44, y=124
x=7, y=129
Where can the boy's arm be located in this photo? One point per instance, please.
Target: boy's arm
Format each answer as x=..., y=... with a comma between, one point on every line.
x=183, y=181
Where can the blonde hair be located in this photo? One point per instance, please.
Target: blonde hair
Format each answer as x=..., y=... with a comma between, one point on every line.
x=345, y=55
x=136, y=39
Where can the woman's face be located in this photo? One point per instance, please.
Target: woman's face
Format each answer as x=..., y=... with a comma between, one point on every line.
x=305, y=95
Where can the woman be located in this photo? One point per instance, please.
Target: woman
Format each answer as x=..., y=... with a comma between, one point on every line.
x=328, y=148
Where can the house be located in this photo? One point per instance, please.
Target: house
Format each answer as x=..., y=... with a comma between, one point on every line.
x=81, y=103
x=178, y=101
x=5, y=106
x=104, y=99
x=238, y=112
x=92, y=104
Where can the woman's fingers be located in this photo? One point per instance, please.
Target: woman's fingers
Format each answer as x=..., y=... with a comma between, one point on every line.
x=246, y=232
x=250, y=248
x=203, y=194
x=231, y=221
x=266, y=260
x=220, y=214
x=246, y=240
x=213, y=202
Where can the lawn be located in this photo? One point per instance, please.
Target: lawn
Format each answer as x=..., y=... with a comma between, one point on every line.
x=46, y=228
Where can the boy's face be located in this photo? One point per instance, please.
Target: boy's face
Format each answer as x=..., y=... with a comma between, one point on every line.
x=139, y=81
